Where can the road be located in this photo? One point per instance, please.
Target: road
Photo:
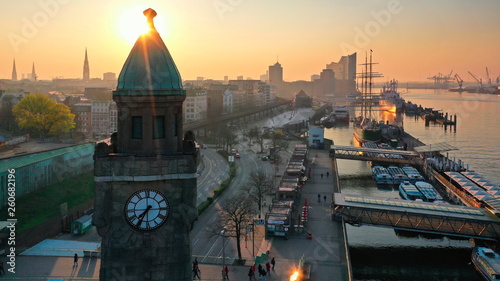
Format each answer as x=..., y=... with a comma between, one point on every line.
x=208, y=248
x=214, y=171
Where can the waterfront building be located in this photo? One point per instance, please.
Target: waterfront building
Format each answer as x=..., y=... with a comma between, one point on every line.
x=345, y=73
x=302, y=100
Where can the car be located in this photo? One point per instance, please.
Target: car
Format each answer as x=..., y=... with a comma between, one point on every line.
x=264, y=158
x=237, y=155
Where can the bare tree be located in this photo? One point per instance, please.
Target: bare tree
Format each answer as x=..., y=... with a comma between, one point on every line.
x=259, y=185
x=229, y=139
x=235, y=215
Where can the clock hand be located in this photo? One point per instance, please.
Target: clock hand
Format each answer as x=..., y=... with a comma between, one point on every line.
x=141, y=216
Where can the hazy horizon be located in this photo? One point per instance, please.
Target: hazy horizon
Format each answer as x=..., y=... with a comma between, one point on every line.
x=411, y=40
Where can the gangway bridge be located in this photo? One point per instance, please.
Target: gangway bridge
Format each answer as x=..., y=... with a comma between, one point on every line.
x=445, y=219
x=373, y=154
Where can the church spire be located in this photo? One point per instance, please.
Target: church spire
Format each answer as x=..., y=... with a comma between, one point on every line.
x=14, y=71
x=86, y=69
x=33, y=73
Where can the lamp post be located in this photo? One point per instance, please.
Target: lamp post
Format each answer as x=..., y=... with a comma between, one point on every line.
x=223, y=233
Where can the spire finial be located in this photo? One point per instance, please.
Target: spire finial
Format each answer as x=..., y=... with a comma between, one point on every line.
x=150, y=14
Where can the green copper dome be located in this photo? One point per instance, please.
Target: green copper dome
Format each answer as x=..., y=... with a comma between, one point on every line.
x=150, y=66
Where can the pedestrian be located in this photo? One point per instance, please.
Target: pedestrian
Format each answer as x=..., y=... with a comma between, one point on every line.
x=319, y=197
x=260, y=271
x=196, y=271
x=324, y=198
x=2, y=271
x=273, y=262
x=327, y=174
x=253, y=271
x=226, y=272
x=268, y=268
x=195, y=262
x=75, y=260
x=251, y=274
x=321, y=175
x=263, y=274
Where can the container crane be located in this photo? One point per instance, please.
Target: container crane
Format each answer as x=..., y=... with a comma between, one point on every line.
x=459, y=80
x=479, y=81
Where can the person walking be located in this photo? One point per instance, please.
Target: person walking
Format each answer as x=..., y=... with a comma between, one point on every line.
x=324, y=198
x=251, y=274
x=321, y=175
x=196, y=271
x=2, y=271
x=319, y=197
x=226, y=272
x=327, y=174
x=75, y=260
x=260, y=271
x=263, y=274
x=268, y=268
x=273, y=262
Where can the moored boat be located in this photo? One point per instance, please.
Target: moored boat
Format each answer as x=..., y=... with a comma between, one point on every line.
x=381, y=175
x=390, y=99
x=397, y=174
x=409, y=192
x=486, y=262
x=428, y=191
x=367, y=131
x=341, y=114
x=413, y=174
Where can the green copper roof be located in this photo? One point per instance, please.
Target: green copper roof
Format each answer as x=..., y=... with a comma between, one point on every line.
x=149, y=65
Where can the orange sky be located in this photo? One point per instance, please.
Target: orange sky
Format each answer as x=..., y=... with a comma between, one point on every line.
x=410, y=39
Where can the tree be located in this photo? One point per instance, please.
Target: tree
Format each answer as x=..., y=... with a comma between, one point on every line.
x=259, y=185
x=44, y=115
x=229, y=139
x=259, y=136
x=235, y=215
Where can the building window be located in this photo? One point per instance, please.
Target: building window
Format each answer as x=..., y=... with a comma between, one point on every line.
x=136, y=127
x=175, y=125
x=159, y=127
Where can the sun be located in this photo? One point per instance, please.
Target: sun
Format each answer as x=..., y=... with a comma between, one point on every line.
x=132, y=23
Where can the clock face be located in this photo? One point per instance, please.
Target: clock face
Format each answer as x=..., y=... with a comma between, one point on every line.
x=147, y=209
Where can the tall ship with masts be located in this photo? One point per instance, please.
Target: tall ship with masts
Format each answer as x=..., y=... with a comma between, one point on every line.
x=366, y=127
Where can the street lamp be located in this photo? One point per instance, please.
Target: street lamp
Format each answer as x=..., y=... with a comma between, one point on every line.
x=223, y=233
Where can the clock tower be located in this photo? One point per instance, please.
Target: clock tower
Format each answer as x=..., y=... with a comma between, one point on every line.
x=145, y=181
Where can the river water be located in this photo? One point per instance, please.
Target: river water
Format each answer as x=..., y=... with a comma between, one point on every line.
x=382, y=254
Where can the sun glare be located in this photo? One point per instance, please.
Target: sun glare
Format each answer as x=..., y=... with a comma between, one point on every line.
x=132, y=23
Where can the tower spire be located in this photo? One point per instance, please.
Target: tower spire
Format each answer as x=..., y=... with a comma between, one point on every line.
x=14, y=71
x=33, y=73
x=86, y=69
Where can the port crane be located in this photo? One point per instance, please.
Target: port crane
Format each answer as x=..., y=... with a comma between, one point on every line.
x=459, y=80
x=441, y=80
x=479, y=81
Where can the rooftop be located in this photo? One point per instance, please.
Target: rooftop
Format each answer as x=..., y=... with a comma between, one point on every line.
x=149, y=66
